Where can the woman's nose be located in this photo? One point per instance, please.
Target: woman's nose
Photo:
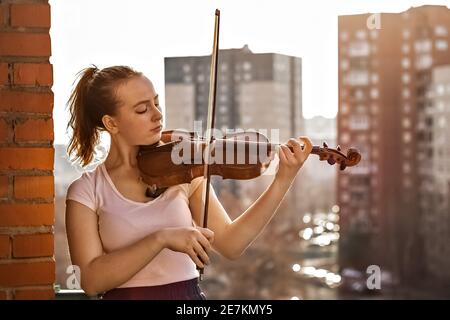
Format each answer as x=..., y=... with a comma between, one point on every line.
x=157, y=115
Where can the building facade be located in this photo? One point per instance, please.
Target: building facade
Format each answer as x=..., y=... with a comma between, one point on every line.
x=435, y=191
x=384, y=74
x=260, y=91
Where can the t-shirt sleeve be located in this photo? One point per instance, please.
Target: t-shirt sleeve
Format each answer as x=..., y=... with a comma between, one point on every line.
x=194, y=185
x=82, y=191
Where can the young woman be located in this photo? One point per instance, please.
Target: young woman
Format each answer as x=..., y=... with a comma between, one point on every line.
x=125, y=244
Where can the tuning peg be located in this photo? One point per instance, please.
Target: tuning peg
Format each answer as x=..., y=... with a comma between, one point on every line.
x=325, y=145
x=338, y=148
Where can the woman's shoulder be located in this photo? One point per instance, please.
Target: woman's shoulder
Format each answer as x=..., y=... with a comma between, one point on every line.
x=87, y=176
x=83, y=188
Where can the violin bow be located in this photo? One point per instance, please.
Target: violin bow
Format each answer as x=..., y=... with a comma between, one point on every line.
x=210, y=123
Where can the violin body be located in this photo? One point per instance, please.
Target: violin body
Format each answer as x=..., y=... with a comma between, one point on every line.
x=180, y=158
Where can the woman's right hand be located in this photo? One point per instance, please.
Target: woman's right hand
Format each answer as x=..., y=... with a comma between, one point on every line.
x=194, y=241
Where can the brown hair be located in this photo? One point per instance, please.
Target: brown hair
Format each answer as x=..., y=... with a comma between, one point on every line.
x=92, y=98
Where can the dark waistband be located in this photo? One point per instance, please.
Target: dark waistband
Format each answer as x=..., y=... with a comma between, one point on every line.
x=182, y=290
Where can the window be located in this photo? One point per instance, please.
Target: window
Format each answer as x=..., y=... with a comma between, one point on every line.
x=200, y=78
x=247, y=76
x=406, y=78
x=374, y=93
x=406, y=34
x=374, y=78
x=405, y=63
x=442, y=122
x=407, y=137
x=424, y=61
x=422, y=46
x=360, y=108
x=361, y=34
x=440, y=89
x=406, y=123
x=223, y=109
x=359, y=49
x=345, y=197
x=440, y=31
x=359, y=122
x=345, y=138
x=359, y=94
x=246, y=65
x=406, y=108
x=405, y=48
x=344, y=64
x=357, y=78
x=374, y=34
x=186, y=68
x=405, y=93
x=441, y=45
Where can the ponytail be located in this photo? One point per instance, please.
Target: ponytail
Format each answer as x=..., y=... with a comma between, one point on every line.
x=93, y=97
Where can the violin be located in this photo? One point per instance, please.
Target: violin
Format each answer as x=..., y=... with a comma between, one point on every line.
x=180, y=157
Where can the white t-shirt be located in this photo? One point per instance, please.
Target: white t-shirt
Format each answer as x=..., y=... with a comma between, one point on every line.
x=122, y=221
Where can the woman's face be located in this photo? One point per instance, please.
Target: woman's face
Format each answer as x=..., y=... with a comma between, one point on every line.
x=139, y=118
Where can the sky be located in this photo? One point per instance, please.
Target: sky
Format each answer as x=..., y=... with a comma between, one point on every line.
x=141, y=33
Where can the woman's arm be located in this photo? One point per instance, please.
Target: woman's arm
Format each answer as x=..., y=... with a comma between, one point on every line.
x=102, y=272
x=232, y=238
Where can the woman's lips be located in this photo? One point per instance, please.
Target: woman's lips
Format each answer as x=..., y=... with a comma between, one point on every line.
x=157, y=129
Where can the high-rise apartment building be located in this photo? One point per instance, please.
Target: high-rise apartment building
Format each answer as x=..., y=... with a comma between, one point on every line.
x=385, y=70
x=254, y=91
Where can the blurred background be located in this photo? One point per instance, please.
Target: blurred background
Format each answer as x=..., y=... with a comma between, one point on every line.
x=374, y=75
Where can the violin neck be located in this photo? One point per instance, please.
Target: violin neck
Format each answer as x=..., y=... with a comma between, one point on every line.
x=276, y=146
x=271, y=147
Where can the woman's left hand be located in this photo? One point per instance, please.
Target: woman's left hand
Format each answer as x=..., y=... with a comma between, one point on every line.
x=291, y=162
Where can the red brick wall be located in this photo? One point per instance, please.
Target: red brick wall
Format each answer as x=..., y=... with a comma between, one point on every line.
x=27, y=266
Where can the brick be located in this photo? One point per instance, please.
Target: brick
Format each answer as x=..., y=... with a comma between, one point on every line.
x=22, y=274
x=2, y=15
x=5, y=246
x=34, y=130
x=3, y=295
x=34, y=294
x=4, y=186
x=22, y=101
x=26, y=158
x=28, y=187
x=25, y=44
x=30, y=15
x=4, y=131
x=38, y=74
x=33, y=245
x=18, y=214
x=4, y=74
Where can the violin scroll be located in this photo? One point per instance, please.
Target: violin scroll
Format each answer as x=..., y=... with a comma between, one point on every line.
x=333, y=156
